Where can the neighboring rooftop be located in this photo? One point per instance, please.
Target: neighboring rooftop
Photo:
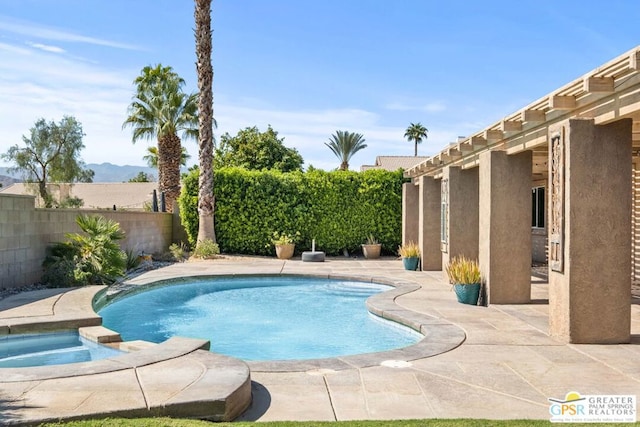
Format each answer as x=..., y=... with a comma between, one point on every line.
x=124, y=195
x=393, y=163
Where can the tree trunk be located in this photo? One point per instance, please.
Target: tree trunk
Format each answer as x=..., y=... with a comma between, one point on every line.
x=344, y=166
x=416, y=149
x=202, y=14
x=169, y=156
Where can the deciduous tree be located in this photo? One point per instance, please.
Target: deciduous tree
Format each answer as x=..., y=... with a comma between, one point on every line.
x=51, y=154
x=252, y=149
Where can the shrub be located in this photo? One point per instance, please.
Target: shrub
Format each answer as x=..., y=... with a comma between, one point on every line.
x=338, y=209
x=87, y=259
x=133, y=260
x=179, y=252
x=206, y=249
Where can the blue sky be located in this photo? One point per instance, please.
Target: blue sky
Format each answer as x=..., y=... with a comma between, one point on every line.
x=308, y=68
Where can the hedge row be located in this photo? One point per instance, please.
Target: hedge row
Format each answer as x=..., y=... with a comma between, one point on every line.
x=338, y=209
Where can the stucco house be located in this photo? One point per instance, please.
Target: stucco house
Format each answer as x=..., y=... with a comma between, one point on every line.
x=557, y=180
x=393, y=163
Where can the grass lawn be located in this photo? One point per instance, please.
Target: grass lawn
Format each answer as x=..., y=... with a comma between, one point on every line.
x=168, y=422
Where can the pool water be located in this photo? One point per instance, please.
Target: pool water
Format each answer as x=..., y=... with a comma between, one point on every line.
x=261, y=318
x=56, y=348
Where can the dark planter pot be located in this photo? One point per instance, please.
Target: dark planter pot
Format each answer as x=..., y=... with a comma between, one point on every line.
x=410, y=263
x=467, y=294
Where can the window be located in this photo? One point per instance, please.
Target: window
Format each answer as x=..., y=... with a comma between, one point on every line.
x=538, y=207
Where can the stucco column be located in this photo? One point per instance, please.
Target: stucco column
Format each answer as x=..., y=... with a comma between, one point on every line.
x=459, y=193
x=429, y=223
x=505, y=226
x=590, y=231
x=409, y=212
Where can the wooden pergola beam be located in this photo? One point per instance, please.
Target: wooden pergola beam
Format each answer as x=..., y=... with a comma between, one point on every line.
x=511, y=125
x=493, y=135
x=533, y=116
x=599, y=84
x=478, y=141
x=557, y=102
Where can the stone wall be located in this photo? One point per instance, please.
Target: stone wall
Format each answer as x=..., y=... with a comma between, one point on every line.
x=25, y=233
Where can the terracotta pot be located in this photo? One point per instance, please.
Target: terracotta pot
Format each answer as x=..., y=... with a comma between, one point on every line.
x=285, y=251
x=371, y=251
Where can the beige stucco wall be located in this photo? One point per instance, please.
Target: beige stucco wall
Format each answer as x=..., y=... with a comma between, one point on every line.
x=589, y=299
x=463, y=214
x=25, y=233
x=410, y=201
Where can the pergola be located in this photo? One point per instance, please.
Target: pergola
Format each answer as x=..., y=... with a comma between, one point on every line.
x=606, y=94
x=581, y=142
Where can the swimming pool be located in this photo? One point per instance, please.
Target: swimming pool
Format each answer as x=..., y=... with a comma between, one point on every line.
x=261, y=318
x=55, y=348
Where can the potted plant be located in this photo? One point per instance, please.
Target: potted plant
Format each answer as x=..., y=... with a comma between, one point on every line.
x=464, y=274
x=371, y=248
x=284, y=243
x=410, y=253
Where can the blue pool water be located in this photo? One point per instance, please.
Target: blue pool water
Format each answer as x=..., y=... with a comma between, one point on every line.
x=56, y=348
x=261, y=318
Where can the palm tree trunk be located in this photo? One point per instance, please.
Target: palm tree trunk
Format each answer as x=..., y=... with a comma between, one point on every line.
x=169, y=152
x=202, y=14
x=344, y=166
x=416, y=149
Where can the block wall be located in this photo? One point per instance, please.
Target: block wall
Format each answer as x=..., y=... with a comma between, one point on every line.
x=25, y=233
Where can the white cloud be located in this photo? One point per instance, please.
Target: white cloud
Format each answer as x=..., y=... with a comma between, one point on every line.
x=46, y=47
x=32, y=30
x=432, y=107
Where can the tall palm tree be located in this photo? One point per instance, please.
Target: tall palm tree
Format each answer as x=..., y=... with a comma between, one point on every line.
x=345, y=144
x=206, y=199
x=152, y=157
x=160, y=109
x=416, y=132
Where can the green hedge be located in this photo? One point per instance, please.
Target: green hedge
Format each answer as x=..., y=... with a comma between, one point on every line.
x=338, y=209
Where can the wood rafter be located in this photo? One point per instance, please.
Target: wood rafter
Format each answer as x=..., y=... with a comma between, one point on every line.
x=606, y=94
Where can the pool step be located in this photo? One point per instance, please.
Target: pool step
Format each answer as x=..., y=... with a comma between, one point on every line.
x=99, y=334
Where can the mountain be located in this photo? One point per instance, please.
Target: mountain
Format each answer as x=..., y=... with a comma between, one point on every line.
x=6, y=181
x=107, y=172
x=104, y=172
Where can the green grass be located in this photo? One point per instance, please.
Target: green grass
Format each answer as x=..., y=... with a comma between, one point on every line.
x=168, y=422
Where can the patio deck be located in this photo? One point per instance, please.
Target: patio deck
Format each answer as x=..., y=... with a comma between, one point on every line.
x=506, y=367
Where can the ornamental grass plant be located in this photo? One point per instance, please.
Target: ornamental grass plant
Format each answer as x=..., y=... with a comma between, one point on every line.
x=409, y=250
x=463, y=271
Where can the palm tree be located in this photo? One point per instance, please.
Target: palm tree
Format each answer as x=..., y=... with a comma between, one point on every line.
x=202, y=15
x=152, y=157
x=416, y=132
x=160, y=109
x=345, y=144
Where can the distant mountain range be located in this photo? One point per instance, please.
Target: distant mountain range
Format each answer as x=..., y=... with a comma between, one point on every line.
x=104, y=172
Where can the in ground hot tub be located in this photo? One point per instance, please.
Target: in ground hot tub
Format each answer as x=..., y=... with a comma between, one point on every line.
x=55, y=348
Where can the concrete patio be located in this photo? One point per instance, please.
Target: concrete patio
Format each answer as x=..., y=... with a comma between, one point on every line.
x=506, y=367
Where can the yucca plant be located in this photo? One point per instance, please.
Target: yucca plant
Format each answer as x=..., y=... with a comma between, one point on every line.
x=87, y=259
x=463, y=271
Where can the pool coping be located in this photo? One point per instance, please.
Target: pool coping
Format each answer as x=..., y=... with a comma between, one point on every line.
x=439, y=335
x=75, y=308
